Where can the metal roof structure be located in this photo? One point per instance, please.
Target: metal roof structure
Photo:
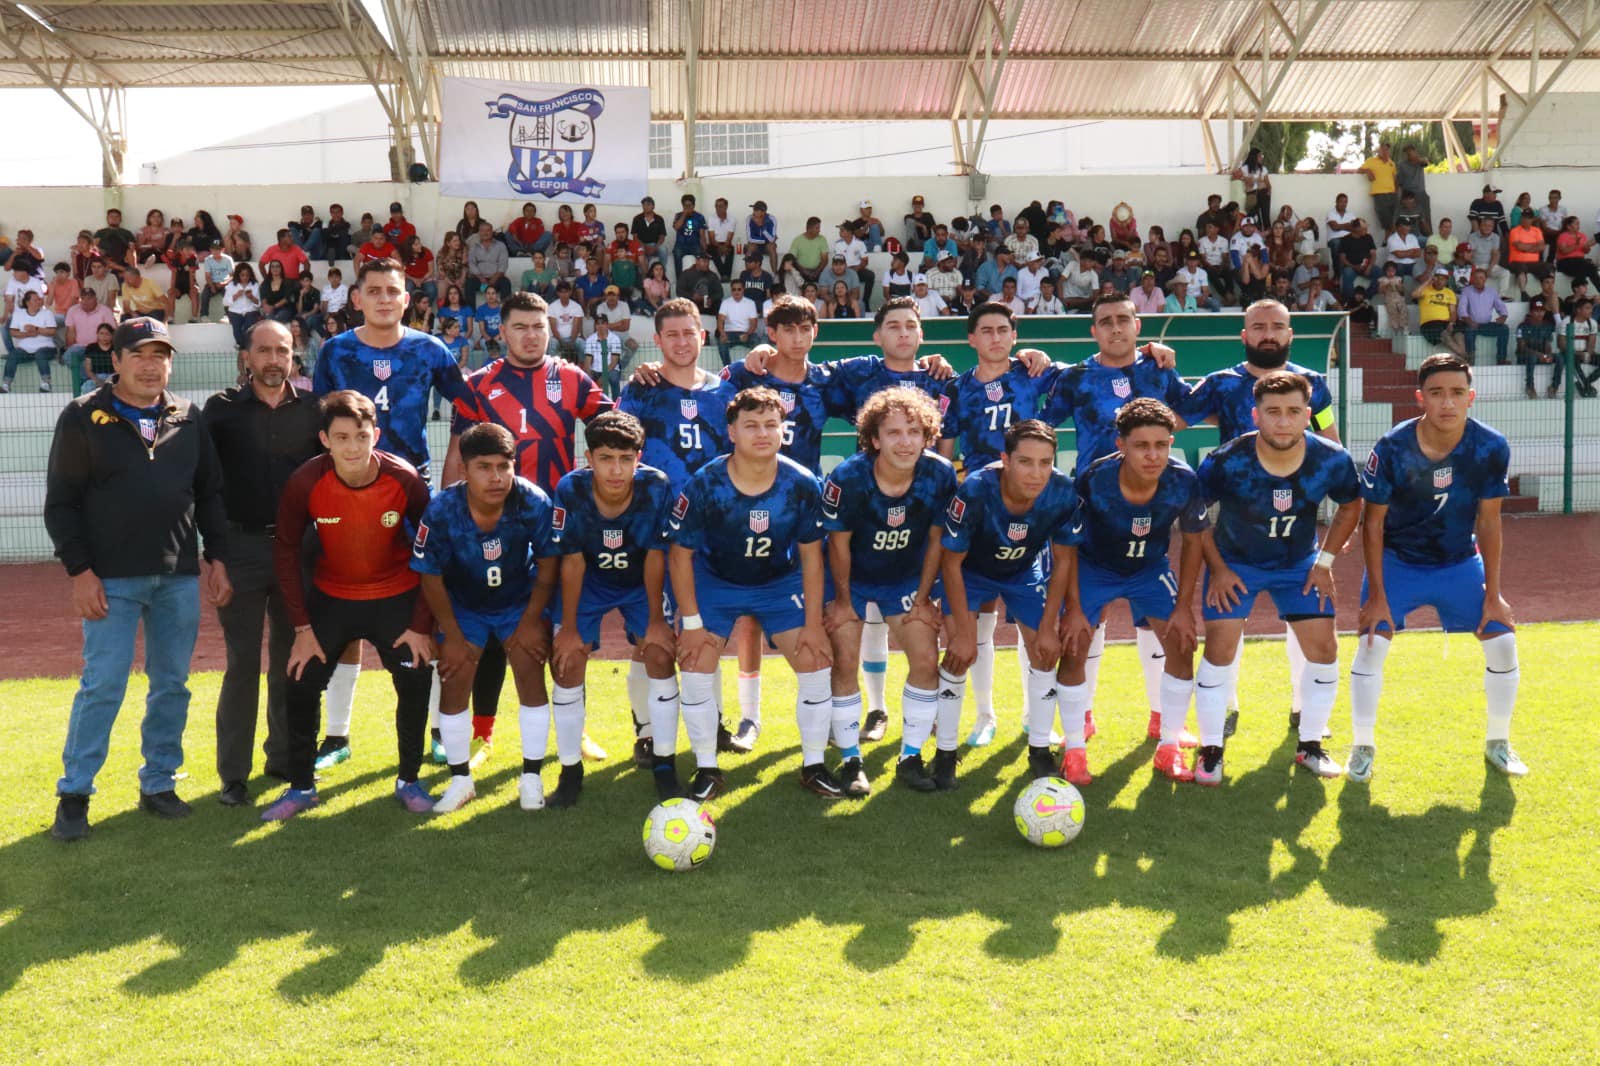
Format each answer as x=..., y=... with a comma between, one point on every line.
x=964, y=61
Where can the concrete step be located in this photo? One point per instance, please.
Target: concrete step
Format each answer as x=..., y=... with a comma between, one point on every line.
x=1585, y=491
x=1520, y=505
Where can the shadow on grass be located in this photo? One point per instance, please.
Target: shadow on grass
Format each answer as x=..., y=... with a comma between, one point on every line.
x=348, y=886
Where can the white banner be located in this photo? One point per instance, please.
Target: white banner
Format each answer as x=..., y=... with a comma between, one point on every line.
x=517, y=140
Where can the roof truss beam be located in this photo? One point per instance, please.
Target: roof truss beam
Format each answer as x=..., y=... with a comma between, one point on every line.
x=104, y=104
x=1538, y=87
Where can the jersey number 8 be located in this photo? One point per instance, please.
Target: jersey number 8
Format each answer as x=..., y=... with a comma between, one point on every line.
x=491, y=577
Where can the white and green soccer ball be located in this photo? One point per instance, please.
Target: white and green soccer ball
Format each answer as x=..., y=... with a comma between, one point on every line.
x=679, y=835
x=1049, y=812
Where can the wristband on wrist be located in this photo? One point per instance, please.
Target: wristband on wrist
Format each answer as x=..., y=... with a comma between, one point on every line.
x=691, y=621
x=1325, y=560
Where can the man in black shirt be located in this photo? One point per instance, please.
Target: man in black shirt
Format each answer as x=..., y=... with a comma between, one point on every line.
x=336, y=234
x=758, y=284
x=650, y=230
x=114, y=242
x=1489, y=206
x=1212, y=213
x=1358, y=258
x=263, y=431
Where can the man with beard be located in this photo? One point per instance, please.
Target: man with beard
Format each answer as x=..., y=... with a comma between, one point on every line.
x=1226, y=398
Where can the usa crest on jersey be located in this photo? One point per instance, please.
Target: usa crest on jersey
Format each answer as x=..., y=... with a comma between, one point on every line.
x=1122, y=387
x=994, y=390
x=1282, y=499
x=552, y=385
x=787, y=399
x=1017, y=531
x=492, y=549
x=147, y=429
x=1443, y=477
x=759, y=520
x=1141, y=526
x=611, y=538
x=689, y=408
x=896, y=517
x=381, y=369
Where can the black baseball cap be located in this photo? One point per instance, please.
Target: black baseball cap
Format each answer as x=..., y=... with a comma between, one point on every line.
x=396, y=208
x=135, y=332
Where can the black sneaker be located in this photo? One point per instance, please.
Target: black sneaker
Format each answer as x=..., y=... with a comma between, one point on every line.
x=234, y=794
x=874, y=727
x=568, y=786
x=163, y=804
x=1231, y=724
x=944, y=770
x=706, y=785
x=816, y=778
x=72, y=818
x=1040, y=764
x=854, y=779
x=911, y=772
x=644, y=755
x=665, y=771
x=725, y=738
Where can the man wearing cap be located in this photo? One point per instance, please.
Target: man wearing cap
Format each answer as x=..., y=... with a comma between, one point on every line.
x=1180, y=301
x=993, y=273
x=869, y=227
x=1436, y=302
x=263, y=430
x=929, y=303
x=761, y=235
x=1380, y=172
x=399, y=230
x=919, y=224
x=614, y=311
x=758, y=286
x=854, y=249
x=1147, y=297
x=945, y=278
x=839, y=270
x=1124, y=271
x=1028, y=279
x=306, y=232
x=292, y=256
x=700, y=284
x=810, y=250
x=132, y=477
x=650, y=230
x=1489, y=206
x=965, y=300
x=1199, y=282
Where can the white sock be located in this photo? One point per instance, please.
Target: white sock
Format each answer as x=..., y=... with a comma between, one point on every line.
x=716, y=689
x=750, y=696
x=535, y=729
x=846, y=722
x=639, y=698
x=1500, y=678
x=1091, y=663
x=1024, y=672
x=664, y=716
x=1366, y=682
x=566, y=707
x=433, y=696
x=1320, y=683
x=1153, y=659
x=982, y=670
x=1041, y=695
x=918, y=706
x=813, y=711
x=952, y=690
x=455, y=733
x=340, y=700
x=1074, y=701
x=1231, y=686
x=1175, y=693
x=699, y=716
x=875, y=663
x=1297, y=665
x=1211, y=701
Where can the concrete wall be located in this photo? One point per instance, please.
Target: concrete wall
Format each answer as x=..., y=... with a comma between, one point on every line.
x=1563, y=130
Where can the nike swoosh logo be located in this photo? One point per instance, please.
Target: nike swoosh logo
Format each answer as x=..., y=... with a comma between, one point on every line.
x=1077, y=529
x=1209, y=686
x=1053, y=808
x=1319, y=681
x=818, y=703
x=665, y=699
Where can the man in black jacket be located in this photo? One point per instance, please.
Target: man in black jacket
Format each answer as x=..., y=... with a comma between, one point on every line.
x=133, y=476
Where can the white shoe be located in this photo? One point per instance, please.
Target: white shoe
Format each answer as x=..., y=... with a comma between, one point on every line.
x=456, y=794
x=531, y=792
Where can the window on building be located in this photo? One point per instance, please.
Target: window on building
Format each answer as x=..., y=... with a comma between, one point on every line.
x=716, y=144
x=660, y=146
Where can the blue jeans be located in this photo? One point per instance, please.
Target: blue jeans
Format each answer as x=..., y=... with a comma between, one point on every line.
x=311, y=242
x=169, y=606
x=1348, y=276
x=1497, y=330
x=516, y=247
x=41, y=358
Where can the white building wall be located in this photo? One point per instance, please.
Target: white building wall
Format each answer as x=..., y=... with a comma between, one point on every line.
x=1562, y=131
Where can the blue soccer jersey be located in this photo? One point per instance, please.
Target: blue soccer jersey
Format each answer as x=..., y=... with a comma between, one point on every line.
x=978, y=413
x=485, y=572
x=1229, y=397
x=1433, y=503
x=396, y=380
x=748, y=540
x=1091, y=394
x=613, y=549
x=1000, y=545
x=855, y=380
x=888, y=534
x=1128, y=538
x=1267, y=521
x=805, y=408
x=684, y=429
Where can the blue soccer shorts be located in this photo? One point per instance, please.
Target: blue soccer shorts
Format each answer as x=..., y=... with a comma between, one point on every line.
x=1151, y=593
x=777, y=605
x=477, y=626
x=1282, y=584
x=1023, y=595
x=1454, y=590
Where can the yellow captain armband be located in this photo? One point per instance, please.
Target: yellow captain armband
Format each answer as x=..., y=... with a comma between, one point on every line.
x=1322, y=419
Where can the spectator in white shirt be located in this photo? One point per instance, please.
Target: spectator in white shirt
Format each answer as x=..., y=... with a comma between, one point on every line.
x=1551, y=217
x=1405, y=251
x=736, y=322
x=1199, y=282
x=929, y=303
x=603, y=352
x=1317, y=298
x=1049, y=303
x=1022, y=244
x=566, y=324
x=1341, y=220
x=854, y=249
x=31, y=330
x=1079, y=282
x=242, y=298
x=1215, y=251
x=719, y=229
x=1028, y=280
x=614, y=311
x=1248, y=253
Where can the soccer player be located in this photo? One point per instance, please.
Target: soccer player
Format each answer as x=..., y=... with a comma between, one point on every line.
x=612, y=521
x=1431, y=537
x=1269, y=485
x=878, y=507
x=394, y=366
x=540, y=400
x=1226, y=398
x=746, y=540
x=1127, y=504
x=487, y=558
x=996, y=532
x=364, y=506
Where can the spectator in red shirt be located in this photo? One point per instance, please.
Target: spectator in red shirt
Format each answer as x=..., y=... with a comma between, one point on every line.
x=568, y=231
x=378, y=247
x=526, y=233
x=419, y=268
x=291, y=255
x=397, y=228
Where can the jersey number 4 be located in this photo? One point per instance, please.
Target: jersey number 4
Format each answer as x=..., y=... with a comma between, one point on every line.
x=380, y=399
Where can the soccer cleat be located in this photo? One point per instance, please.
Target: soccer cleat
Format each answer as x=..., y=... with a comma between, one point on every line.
x=290, y=803
x=724, y=738
x=334, y=751
x=592, y=752
x=1040, y=763
x=982, y=734
x=1311, y=756
x=1089, y=729
x=1500, y=755
x=436, y=752
x=484, y=753
x=530, y=792
x=413, y=797
x=456, y=794
x=665, y=772
x=911, y=773
x=1359, y=766
x=853, y=779
x=744, y=741
x=1169, y=760
x=1186, y=739
x=1230, y=725
x=1075, y=766
x=164, y=804
x=72, y=818
x=1208, y=767
x=707, y=784
x=944, y=770
x=874, y=726
x=816, y=778
x=644, y=755
x=568, y=787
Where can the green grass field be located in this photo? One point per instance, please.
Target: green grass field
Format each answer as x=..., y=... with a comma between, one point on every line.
x=1441, y=912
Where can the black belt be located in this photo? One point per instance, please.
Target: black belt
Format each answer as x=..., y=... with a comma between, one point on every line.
x=268, y=529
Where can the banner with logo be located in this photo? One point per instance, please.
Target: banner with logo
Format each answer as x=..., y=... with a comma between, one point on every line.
x=513, y=140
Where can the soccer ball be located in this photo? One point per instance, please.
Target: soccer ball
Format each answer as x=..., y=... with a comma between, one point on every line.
x=552, y=165
x=1049, y=812
x=679, y=835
